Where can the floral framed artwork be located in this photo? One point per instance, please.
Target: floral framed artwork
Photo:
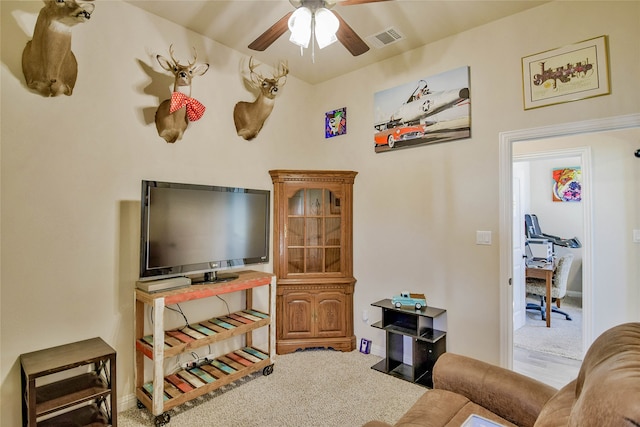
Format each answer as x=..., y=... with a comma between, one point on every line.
x=335, y=123
x=565, y=74
x=567, y=184
x=425, y=111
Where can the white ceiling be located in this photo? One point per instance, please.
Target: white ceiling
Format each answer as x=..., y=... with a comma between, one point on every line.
x=236, y=23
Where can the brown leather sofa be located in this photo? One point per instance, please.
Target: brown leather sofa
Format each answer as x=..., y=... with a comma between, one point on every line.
x=605, y=394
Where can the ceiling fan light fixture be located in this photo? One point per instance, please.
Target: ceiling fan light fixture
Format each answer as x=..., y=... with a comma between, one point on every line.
x=326, y=26
x=300, y=26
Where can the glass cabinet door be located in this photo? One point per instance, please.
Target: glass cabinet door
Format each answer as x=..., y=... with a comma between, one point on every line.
x=313, y=234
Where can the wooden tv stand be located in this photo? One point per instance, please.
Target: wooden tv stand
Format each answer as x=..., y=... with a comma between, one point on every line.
x=167, y=390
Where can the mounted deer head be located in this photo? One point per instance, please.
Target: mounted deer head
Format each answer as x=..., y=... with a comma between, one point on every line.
x=48, y=64
x=249, y=117
x=171, y=118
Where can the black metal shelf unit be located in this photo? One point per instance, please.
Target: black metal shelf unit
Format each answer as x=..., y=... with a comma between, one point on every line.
x=427, y=343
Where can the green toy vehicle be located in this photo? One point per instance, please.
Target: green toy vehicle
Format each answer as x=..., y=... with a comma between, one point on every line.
x=406, y=298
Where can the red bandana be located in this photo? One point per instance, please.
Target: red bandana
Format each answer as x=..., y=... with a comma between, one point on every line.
x=195, y=109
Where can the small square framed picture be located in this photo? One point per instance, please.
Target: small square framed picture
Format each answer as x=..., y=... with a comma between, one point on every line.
x=335, y=123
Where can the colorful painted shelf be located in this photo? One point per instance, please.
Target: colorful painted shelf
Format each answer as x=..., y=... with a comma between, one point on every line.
x=163, y=391
x=186, y=384
x=196, y=335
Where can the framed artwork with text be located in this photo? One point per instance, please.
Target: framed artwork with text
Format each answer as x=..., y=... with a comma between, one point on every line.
x=565, y=74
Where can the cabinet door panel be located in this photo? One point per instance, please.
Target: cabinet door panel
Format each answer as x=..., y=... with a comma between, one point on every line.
x=333, y=232
x=295, y=260
x=296, y=203
x=297, y=320
x=331, y=316
x=314, y=232
x=332, y=260
x=314, y=202
x=314, y=260
x=295, y=232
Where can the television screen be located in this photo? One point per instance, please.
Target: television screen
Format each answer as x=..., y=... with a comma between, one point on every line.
x=189, y=228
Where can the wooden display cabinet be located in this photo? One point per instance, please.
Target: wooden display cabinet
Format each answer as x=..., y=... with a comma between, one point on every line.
x=313, y=259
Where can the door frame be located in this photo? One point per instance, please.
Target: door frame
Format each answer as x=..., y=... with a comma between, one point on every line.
x=505, y=173
x=518, y=246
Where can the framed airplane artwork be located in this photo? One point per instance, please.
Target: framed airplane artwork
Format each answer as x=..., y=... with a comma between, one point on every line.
x=426, y=111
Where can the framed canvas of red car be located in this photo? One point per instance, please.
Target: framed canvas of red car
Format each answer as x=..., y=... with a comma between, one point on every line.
x=426, y=111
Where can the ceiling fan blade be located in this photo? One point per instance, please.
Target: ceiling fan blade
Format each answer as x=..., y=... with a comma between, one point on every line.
x=349, y=38
x=271, y=35
x=353, y=2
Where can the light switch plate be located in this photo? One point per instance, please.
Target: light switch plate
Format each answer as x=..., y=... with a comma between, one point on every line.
x=483, y=237
x=636, y=236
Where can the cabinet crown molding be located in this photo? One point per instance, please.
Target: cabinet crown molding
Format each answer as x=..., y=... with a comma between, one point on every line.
x=283, y=175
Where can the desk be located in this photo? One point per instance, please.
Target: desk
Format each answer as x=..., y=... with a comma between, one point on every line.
x=545, y=273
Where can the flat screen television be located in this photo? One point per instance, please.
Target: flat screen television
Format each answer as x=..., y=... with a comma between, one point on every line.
x=188, y=229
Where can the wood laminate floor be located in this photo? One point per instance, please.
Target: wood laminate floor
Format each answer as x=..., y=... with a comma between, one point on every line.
x=550, y=369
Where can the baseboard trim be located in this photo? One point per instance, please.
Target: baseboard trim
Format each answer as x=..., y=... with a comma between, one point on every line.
x=377, y=350
x=127, y=402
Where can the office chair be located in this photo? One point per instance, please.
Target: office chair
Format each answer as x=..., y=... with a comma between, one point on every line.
x=533, y=231
x=558, y=287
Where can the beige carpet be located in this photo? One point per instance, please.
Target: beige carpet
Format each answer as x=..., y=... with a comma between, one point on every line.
x=563, y=338
x=320, y=388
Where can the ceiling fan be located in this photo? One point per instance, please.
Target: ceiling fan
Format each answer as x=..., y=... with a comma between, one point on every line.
x=345, y=34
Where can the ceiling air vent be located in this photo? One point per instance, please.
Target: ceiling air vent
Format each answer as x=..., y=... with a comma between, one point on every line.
x=385, y=38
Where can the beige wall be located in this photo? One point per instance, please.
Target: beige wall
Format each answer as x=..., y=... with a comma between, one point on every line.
x=71, y=170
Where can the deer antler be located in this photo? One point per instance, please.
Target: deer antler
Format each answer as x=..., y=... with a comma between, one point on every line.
x=256, y=78
x=175, y=61
x=283, y=70
x=195, y=57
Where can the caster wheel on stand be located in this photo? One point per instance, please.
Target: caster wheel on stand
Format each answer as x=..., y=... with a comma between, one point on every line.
x=268, y=370
x=162, y=420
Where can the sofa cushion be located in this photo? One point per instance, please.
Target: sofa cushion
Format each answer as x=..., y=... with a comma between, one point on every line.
x=439, y=408
x=558, y=409
x=608, y=385
x=512, y=396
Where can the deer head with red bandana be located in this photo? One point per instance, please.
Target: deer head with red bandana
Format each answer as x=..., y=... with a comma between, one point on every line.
x=173, y=115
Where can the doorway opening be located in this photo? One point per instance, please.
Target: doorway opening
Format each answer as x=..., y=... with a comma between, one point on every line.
x=549, y=351
x=622, y=292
